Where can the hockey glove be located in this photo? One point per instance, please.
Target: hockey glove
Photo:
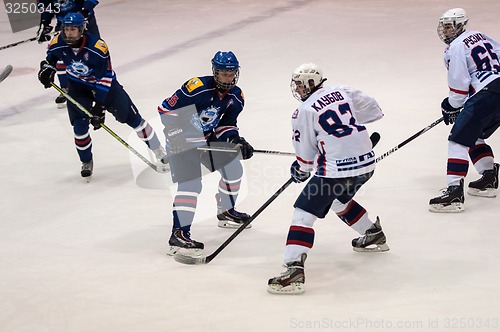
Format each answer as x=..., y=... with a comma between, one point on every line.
x=243, y=145
x=42, y=34
x=297, y=174
x=98, y=116
x=449, y=112
x=46, y=74
x=176, y=142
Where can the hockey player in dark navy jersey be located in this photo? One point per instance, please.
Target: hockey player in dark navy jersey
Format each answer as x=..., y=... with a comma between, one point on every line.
x=204, y=111
x=92, y=83
x=59, y=9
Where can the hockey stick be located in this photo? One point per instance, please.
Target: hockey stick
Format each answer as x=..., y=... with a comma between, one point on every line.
x=111, y=132
x=205, y=260
x=17, y=43
x=222, y=149
x=400, y=145
x=6, y=72
x=24, y=41
x=374, y=138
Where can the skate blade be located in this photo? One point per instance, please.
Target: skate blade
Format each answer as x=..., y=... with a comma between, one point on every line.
x=295, y=288
x=452, y=208
x=87, y=179
x=231, y=224
x=373, y=248
x=190, y=260
x=61, y=105
x=174, y=250
x=489, y=193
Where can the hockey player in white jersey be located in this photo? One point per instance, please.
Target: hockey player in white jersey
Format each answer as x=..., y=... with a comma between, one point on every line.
x=329, y=138
x=472, y=106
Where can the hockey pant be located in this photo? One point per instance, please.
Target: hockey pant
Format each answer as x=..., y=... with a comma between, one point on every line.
x=318, y=197
x=117, y=103
x=186, y=198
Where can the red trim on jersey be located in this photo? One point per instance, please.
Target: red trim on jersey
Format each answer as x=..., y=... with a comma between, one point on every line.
x=305, y=161
x=460, y=92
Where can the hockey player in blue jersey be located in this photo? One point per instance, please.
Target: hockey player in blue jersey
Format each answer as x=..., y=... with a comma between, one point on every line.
x=59, y=9
x=91, y=80
x=204, y=111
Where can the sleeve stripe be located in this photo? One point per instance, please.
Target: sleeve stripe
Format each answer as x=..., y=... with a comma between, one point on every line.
x=460, y=92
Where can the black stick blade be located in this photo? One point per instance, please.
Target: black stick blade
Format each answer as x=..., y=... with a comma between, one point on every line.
x=190, y=260
x=375, y=137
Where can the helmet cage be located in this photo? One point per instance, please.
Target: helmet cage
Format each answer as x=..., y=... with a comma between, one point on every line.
x=73, y=20
x=452, y=24
x=223, y=85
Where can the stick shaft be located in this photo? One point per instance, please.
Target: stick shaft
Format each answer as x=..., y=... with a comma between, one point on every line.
x=111, y=132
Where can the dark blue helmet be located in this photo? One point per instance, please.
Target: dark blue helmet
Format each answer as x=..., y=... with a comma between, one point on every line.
x=73, y=20
x=225, y=61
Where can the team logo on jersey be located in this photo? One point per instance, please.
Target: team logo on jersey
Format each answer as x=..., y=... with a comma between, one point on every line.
x=207, y=120
x=101, y=45
x=193, y=84
x=295, y=114
x=78, y=68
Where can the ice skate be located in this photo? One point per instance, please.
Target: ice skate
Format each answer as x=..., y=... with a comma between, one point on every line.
x=451, y=201
x=161, y=156
x=373, y=241
x=181, y=243
x=61, y=100
x=87, y=170
x=486, y=186
x=290, y=282
x=230, y=218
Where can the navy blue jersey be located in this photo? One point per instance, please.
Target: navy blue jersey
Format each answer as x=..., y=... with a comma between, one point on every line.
x=216, y=113
x=89, y=66
x=59, y=8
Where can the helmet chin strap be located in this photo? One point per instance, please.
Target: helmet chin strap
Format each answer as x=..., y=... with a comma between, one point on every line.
x=313, y=90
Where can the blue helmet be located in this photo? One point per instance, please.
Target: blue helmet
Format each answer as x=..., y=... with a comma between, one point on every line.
x=225, y=61
x=73, y=20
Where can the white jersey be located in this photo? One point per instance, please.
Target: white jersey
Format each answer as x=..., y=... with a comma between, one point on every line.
x=328, y=133
x=472, y=60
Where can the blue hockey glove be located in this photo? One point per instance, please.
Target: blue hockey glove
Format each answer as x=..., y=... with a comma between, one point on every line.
x=98, y=116
x=297, y=174
x=449, y=112
x=46, y=73
x=245, y=147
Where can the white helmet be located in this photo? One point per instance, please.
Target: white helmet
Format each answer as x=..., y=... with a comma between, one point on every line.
x=306, y=79
x=451, y=24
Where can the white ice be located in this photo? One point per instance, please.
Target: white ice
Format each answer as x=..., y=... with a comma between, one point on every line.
x=78, y=257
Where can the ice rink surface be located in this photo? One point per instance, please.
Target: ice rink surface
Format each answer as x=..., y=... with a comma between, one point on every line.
x=77, y=257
